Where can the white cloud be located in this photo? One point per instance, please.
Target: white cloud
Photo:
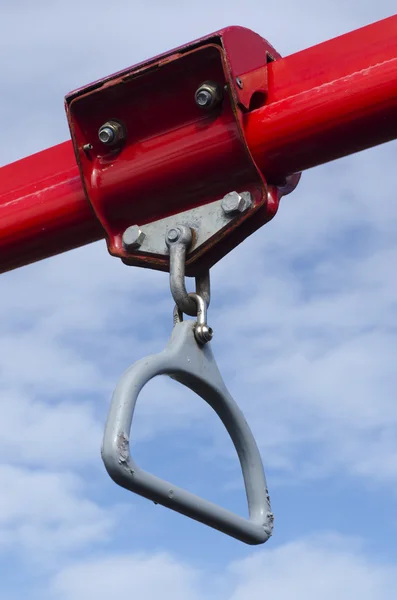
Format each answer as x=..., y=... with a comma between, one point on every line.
x=62, y=352
x=35, y=433
x=325, y=567
x=44, y=514
x=143, y=576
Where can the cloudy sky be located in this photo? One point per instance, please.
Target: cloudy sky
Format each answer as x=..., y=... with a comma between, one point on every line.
x=310, y=357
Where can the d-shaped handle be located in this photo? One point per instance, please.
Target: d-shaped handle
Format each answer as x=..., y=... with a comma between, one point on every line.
x=195, y=367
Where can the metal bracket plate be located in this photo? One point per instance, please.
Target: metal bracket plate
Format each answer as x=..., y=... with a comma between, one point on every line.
x=206, y=222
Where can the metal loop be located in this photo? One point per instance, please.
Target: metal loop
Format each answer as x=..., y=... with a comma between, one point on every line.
x=178, y=241
x=202, y=332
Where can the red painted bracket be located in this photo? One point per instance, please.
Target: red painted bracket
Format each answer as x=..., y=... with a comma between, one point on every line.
x=176, y=156
x=321, y=104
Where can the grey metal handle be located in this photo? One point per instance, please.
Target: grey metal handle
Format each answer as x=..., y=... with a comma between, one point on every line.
x=194, y=366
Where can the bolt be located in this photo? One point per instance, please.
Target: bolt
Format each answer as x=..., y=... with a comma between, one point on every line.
x=239, y=83
x=133, y=237
x=208, y=95
x=204, y=98
x=173, y=234
x=234, y=203
x=111, y=133
x=106, y=134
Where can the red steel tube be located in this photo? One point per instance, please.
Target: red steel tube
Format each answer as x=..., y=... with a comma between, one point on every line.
x=325, y=102
x=43, y=209
x=328, y=101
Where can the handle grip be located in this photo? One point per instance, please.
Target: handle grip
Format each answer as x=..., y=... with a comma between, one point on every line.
x=195, y=367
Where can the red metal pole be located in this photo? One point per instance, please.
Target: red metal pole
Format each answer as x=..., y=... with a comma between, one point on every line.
x=43, y=209
x=328, y=101
x=325, y=102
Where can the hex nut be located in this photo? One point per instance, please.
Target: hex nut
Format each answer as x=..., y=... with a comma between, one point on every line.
x=234, y=203
x=111, y=133
x=133, y=237
x=208, y=95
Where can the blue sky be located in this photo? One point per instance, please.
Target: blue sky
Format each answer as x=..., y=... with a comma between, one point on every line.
x=310, y=357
